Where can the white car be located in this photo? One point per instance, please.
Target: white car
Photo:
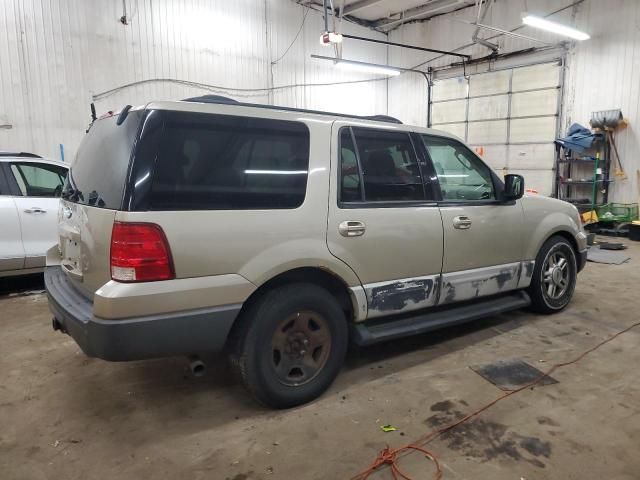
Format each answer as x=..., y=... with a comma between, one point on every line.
x=30, y=188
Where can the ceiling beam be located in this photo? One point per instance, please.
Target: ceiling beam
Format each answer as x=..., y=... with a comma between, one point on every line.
x=361, y=5
x=412, y=13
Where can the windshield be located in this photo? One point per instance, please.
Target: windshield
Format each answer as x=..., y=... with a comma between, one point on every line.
x=98, y=173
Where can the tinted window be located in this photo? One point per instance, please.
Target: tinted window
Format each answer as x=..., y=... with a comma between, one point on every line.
x=227, y=162
x=461, y=174
x=390, y=170
x=39, y=180
x=99, y=170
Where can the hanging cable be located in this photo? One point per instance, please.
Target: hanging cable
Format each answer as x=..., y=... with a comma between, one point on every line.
x=304, y=19
x=240, y=92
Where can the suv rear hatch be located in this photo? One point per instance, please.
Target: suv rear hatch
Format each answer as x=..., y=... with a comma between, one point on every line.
x=91, y=196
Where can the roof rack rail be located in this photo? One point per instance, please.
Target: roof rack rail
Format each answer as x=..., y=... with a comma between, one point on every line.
x=219, y=99
x=382, y=118
x=211, y=99
x=19, y=154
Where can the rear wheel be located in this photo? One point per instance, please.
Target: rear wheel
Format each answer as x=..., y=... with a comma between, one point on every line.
x=290, y=345
x=554, y=276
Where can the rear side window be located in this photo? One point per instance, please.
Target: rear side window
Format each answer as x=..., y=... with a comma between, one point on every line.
x=221, y=162
x=39, y=180
x=382, y=163
x=98, y=173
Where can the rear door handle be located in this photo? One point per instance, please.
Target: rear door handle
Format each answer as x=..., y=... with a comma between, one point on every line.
x=462, y=222
x=35, y=210
x=351, y=228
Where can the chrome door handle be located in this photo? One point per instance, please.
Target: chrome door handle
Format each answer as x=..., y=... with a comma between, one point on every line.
x=351, y=228
x=35, y=210
x=462, y=222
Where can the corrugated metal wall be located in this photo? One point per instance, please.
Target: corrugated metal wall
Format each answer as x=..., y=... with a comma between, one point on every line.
x=602, y=73
x=55, y=55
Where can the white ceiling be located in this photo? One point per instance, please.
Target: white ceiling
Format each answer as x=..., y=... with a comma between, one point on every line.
x=388, y=14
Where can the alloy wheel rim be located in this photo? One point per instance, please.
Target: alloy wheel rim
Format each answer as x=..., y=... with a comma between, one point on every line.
x=555, y=275
x=300, y=347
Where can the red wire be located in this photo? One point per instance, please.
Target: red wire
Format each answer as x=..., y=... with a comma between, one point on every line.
x=389, y=456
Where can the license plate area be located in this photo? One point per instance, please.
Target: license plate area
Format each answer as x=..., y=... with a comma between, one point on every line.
x=70, y=239
x=71, y=253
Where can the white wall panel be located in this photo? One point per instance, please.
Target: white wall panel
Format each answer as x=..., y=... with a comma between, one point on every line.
x=494, y=155
x=449, y=89
x=540, y=102
x=453, y=111
x=535, y=76
x=409, y=90
x=55, y=55
x=457, y=129
x=489, y=83
x=532, y=157
x=532, y=130
x=484, y=108
x=481, y=133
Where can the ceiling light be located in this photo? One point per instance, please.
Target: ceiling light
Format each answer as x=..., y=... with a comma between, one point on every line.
x=554, y=27
x=362, y=66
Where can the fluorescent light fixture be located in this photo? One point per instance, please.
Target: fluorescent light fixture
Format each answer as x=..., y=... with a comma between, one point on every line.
x=362, y=66
x=554, y=27
x=367, y=68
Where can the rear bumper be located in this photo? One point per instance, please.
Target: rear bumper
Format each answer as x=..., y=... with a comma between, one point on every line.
x=582, y=259
x=180, y=333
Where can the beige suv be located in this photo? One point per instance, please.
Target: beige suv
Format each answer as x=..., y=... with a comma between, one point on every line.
x=279, y=235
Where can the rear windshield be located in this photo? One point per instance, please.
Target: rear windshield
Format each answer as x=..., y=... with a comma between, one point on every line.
x=98, y=173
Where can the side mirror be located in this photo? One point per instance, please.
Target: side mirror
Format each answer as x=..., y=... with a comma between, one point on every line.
x=513, y=187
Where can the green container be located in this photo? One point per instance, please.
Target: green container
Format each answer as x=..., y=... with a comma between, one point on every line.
x=617, y=212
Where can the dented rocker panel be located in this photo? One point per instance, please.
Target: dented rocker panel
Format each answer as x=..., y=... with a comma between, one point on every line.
x=402, y=295
x=479, y=282
x=408, y=294
x=526, y=273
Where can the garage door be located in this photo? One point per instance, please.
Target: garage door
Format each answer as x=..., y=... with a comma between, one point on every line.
x=508, y=116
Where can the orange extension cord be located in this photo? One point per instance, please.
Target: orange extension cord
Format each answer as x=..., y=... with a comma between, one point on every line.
x=389, y=456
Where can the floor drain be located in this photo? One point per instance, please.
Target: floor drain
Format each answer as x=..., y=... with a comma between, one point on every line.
x=511, y=374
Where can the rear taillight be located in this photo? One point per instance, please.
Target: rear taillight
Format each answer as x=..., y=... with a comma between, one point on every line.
x=140, y=253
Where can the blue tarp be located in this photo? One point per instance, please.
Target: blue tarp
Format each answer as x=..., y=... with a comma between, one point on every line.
x=578, y=138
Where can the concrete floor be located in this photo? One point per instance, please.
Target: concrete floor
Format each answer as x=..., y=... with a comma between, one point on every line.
x=66, y=416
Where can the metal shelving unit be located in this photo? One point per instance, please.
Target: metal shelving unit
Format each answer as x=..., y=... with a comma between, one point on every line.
x=583, y=179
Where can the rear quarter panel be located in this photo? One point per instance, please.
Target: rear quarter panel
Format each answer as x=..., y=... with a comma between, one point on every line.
x=91, y=228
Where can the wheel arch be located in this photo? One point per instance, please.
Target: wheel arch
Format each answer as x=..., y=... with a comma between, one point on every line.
x=346, y=296
x=567, y=236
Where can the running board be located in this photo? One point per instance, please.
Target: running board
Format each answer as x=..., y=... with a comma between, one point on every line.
x=363, y=334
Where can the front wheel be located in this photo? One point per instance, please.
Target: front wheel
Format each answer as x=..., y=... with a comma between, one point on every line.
x=554, y=276
x=290, y=345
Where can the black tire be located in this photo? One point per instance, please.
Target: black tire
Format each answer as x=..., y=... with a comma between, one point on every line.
x=546, y=290
x=270, y=338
